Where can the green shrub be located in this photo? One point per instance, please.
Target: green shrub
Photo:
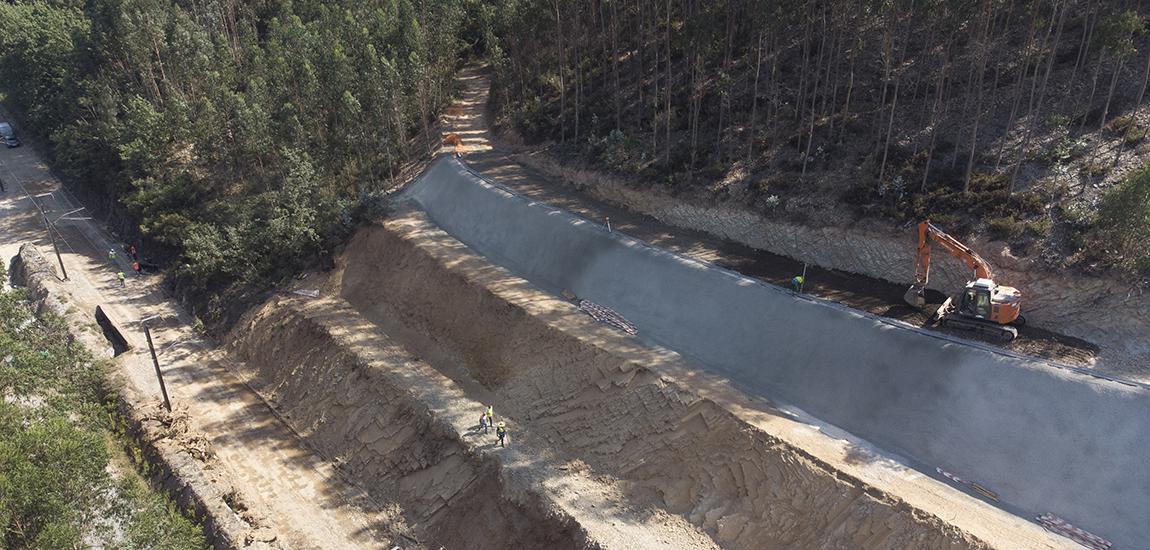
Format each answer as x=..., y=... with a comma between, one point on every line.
x=1134, y=136
x=1119, y=124
x=57, y=489
x=1004, y=228
x=1061, y=152
x=1059, y=120
x=1096, y=167
x=1072, y=214
x=1040, y=227
x=1028, y=202
x=1124, y=221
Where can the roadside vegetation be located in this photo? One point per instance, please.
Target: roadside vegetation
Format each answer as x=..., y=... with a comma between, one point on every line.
x=240, y=139
x=1006, y=118
x=65, y=481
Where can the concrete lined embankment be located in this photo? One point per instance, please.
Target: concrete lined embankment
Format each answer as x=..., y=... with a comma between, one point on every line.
x=1045, y=439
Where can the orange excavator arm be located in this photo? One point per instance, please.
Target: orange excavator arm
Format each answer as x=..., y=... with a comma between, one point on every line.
x=928, y=232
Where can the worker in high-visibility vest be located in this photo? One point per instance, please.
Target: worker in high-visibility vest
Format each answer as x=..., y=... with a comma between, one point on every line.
x=797, y=283
x=501, y=431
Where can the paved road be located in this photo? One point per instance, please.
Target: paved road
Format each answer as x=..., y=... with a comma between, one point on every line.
x=295, y=493
x=1045, y=439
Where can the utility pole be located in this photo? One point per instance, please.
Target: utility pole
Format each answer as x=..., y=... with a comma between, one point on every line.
x=156, y=363
x=56, y=248
x=51, y=225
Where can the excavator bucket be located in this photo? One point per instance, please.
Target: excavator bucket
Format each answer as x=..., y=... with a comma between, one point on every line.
x=915, y=296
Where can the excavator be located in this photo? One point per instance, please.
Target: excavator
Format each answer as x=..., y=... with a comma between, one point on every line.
x=984, y=306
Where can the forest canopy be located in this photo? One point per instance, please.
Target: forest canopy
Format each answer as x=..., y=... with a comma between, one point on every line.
x=1003, y=114
x=241, y=137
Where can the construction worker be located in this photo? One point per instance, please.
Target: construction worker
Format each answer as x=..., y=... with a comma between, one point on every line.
x=483, y=421
x=797, y=283
x=490, y=415
x=501, y=431
x=112, y=255
x=120, y=276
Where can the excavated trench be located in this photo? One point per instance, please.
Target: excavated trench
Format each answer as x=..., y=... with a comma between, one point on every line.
x=598, y=397
x=364, y=412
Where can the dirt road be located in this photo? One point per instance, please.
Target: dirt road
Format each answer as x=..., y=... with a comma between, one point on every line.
x=291, y=495
x=500, y=162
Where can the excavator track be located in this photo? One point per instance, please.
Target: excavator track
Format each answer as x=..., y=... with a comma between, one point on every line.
x=1005, y=333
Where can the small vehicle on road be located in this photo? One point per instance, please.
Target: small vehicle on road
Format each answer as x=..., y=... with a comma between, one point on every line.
x=8, y=135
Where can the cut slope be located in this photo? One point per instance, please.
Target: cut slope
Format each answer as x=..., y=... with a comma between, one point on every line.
x=630, y=412
x=365, y=413
x=1047, y=440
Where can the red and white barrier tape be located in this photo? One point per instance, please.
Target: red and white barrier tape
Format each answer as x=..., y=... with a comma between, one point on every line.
x=1058, y=525
x=951, y=476
x=604, y=314
x=972, y=485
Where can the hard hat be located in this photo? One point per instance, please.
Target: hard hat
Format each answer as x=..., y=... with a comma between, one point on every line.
x=502, y=425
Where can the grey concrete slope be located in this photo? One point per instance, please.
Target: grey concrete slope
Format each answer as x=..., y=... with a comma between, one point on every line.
x=1046, y=439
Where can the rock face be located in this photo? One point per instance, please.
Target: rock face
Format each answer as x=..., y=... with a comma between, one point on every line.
x=1107, y=311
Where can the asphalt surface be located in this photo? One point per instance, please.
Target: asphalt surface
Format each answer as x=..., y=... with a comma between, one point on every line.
x=1045, y=439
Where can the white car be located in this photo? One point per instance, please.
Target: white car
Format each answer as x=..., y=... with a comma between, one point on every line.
x=8, y=135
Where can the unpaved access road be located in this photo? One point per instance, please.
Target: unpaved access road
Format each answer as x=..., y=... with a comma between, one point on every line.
x=289, y=491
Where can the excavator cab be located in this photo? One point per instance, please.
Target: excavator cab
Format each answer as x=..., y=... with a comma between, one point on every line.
x=985, y=300
x=975, y=302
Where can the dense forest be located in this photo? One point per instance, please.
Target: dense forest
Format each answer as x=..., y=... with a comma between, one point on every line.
x=1011, y=115
x=240, y=141
x=243, y=139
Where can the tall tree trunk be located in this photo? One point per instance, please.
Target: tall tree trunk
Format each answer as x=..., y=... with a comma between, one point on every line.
x=978, y=106
x=889, y=129
x=1034, y=108
x=1135, y=110
x=934, y=118
x=669, y=85
x=562, y=72
x=814, y=96
x=753, y=134
x=850, y=89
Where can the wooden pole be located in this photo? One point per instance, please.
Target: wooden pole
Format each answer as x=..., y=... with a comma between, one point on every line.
x=156, y=363
x=56, y=248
